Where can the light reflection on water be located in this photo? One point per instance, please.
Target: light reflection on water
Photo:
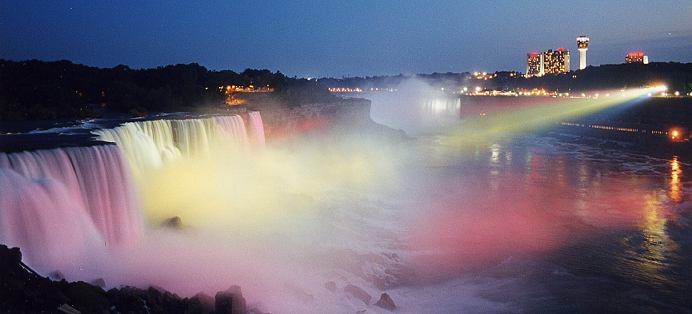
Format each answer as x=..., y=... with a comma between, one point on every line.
x=675, y=183
x=613, y=225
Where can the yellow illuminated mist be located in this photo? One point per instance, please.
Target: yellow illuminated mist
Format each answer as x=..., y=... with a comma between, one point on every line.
x=527, y=118
x=260, y=189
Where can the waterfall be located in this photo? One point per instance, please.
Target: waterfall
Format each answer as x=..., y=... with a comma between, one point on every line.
x=145, y=144
x=42, y=217
x=150, y=144
x=61, y=204
x=58, y=201
x=257, y=127
x=234, y=127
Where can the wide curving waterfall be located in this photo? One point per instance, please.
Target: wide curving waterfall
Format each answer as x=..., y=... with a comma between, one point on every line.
x=56, y=203
x=59, y=204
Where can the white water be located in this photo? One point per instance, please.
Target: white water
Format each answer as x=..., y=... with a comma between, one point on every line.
x=280, y=221
x=56, y=204
x=60, y=205
x=149, y=145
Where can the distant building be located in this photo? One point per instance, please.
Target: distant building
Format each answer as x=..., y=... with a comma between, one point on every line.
x=556, y=61
x=548, y=62
x=582, y=46
x=534, y=64
x=636, y=57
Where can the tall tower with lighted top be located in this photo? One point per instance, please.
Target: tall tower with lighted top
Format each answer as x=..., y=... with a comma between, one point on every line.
x=583, y=46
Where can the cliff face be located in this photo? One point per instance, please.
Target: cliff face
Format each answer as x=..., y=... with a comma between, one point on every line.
x=281, y=120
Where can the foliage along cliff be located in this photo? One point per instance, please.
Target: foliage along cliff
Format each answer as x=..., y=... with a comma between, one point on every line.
x=38, y=90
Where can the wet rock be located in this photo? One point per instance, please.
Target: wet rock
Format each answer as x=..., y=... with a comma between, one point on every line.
x=174, y=223
x=201, y=303
x=230, y=301
x=56, y=276
x=128, y=300
x=66, y=308
x=22, y=290
x=330, y=285
x=99, y=282
x=386, y=302
x=85, y=297
x=358, y=293
x=9, y=257
x=162, y=301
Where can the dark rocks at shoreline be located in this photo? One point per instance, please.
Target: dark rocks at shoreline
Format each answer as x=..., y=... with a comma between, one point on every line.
x=24, y=291
x=230, y=301
x=99, y=282
x=56, y=276
x=386, y=302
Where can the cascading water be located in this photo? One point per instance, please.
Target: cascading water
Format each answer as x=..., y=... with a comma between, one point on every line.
x=234, y=126
x=257, y=127
x=146, y=144
x=57, y=203
x=41, y=216
x=150, y=144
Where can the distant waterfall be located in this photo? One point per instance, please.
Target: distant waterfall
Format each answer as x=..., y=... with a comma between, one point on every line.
x=55, y=202
x=149, y=144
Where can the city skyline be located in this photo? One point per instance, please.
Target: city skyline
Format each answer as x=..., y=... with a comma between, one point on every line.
x=320, y=39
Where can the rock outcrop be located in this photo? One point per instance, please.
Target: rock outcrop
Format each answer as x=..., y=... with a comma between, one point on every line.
x=283, y=120
x=174, y=223
x=230, y=301
x=386, y=302
x=22, y=290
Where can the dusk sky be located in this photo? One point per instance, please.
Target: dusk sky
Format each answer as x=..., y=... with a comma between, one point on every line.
x=341, y=38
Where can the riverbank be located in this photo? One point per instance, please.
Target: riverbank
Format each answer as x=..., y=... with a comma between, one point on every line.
x=23, y=290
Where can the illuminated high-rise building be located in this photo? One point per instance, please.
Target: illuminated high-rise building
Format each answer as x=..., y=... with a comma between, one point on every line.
x=548, y=62
x=556, y=62
x=636, y=57
x=583, y=46
x=534, y=64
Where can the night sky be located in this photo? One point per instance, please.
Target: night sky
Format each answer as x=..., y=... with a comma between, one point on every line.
x=336, y=38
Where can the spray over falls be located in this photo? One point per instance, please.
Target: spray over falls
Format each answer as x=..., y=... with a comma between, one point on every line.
x=242, y=202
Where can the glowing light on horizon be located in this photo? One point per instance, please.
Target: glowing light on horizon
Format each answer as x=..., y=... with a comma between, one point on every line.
x=526, y=118
x=675, y=134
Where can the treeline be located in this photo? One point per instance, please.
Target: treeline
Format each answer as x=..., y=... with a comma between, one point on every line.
x=677, y=76
x=41, y=90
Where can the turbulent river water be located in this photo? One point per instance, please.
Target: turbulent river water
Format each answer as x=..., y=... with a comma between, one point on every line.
x=537, y=221
x=526, y=222
x=549, y=223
